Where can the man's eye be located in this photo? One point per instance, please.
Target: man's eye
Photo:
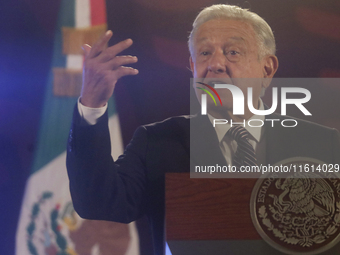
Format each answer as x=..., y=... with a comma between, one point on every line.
x=233, y=52
x=204, y=53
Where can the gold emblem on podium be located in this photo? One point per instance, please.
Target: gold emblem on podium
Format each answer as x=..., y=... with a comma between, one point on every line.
x=298, y=211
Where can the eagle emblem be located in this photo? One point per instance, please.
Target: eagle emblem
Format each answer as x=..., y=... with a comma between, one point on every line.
x=297, y=214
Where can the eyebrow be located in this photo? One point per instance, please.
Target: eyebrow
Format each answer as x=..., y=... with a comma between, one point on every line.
x=237, y=38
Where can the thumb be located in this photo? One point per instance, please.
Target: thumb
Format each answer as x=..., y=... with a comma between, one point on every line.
x=86, y=48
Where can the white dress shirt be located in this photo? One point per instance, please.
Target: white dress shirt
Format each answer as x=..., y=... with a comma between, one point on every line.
x=90, y=115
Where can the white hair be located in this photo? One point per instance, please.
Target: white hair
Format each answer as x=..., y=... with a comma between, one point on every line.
x=263, y=32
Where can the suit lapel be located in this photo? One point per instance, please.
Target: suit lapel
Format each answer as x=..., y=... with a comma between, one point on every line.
x=276, y=140
x=204, y=144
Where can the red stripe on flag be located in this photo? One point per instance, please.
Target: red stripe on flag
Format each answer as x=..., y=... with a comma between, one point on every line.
x=98, y=12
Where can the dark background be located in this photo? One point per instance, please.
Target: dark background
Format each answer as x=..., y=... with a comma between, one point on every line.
x=308, y=40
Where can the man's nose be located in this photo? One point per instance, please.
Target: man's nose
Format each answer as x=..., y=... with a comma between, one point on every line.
x=217, y=63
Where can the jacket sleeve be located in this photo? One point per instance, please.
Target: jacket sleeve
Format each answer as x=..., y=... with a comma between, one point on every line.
x=102, y=189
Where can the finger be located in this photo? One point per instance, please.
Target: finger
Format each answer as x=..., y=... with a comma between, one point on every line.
x=114, y=50
x=120, y=61
x=124, y=71
x=86, y=49
x=100, y=44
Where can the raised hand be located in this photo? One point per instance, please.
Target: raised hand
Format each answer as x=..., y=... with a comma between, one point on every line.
x=102, y=69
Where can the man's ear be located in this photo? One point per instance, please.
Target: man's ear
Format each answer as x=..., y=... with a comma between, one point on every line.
x=192, y=68
x=271, y=63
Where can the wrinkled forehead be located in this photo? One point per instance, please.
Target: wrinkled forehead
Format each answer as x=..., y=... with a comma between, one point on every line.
x=227, y=30
x=225, y=26
x=232, y=39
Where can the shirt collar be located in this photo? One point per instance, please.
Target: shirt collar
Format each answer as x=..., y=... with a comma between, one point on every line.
x=255, y=132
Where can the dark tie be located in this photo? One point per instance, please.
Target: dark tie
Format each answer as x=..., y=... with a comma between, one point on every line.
x=245, y=153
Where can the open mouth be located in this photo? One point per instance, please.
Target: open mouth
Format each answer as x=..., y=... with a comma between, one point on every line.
x=212, y=82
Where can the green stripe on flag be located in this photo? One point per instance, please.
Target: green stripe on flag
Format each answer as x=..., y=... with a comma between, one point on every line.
x=57, y=111
x=48, y=222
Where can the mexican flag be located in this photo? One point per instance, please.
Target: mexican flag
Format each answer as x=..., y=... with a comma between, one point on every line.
x=48, y=223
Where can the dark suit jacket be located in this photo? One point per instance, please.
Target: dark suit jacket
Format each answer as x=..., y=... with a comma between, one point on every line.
x=133, y=185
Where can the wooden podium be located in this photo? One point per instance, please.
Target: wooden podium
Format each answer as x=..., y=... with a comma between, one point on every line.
x=208, y=209
x=210, y=216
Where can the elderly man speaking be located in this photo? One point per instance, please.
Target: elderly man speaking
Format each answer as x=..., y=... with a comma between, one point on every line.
x=226, y=42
